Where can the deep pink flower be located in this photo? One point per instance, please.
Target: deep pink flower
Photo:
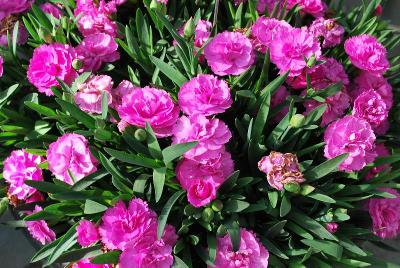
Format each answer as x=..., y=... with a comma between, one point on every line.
x=381, y=151
x=39, y=229
x=354, y=136
x=36, y=197
x=89, y=94
x=8, y=7
x=291, y=47
x=366, y=53
x=251, y=252
x=50, y=62
x=332, y=227
x=51, y=10
x=87, y=233
x=278, y=98
x=216, y=164
x=385, y=214
x=70, y=153
x=317, y=8
x=121, y=91
x=371, y=107
x=7, y=25
x=229, y=53
x=96, y=49
x=121, y=225
x=281, y=169
x=329, y=30
x=150, y=105
x=366, y=81
x=204, y=94
x=265, y=30
x=19, y=167
x=1, y=66
x=201, y=191
x=202, y=32
x=85, y=263
x=212, y=134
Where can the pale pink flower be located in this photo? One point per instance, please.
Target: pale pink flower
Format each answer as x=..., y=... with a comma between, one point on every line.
x=251, y=252
x=96, y=49
x=151, y=105
x=329, y=30
x=332, y=227
x=70, y=153
x=212, y=134
x=87, y=233
x=50, y=62
x=354, y=136
x=39, y=229
x=229, y=53
x=366, y=81
x=290, y=48
x=366, y=53
x=89, y=94
x=370, y=106
x=8, y=7
x=385, y=215
x=51, y=10
x=381, y=151
x=281, y=169
x=265, y=30
x=19, y=167
x=204, y=94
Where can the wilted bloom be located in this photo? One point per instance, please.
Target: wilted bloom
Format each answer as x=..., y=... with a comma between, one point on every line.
x=204, y=94
x=332, y=227
x=212, y=134
x=381, y=151
x=290, y=48
x=96, y=49
x=70, y=153
x=329, y=30
x=229, y=53
x=7, y=26
x=251, y=252
x=150, y=105
x=89, y=94
x=370, y=106
x=87, y=233
x=51, y=10
x=316, y=8
x=366, y=81
x=39, y=229
x=366, y=53
x=8, y=7
x=85, y=263
x=354, y=136
x=385, y=214
x=50, y=62
x=19, y=167
x=265, y=30
x=281, y=169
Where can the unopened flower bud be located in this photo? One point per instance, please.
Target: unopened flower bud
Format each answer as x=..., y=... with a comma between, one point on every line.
x=77, y=64
x=217, y=205
x=188, y=29
x=207, y=215
x=292, y=187
x=154, y=4
x=140, y=134
x=311, y=61
x=297, y=121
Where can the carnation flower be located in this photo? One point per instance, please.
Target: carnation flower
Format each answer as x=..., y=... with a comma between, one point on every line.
x=281, y=169
x=19, y=167
x=354, y=136
x=70, y=153
x=50, y=62
x=332, y=227
x=366, y=81
x=96, y=49
x=85, y=263
x=371, y=107
x=7, y=26
x=265, y=30
x=118, y=94
x=204, y=94
x=87, y=233
x=1, y=66
x=121, y=225
x=385, y=214
x=39, y=229
x=381, y=151
x=89, y=95
x=327, y=29
x=278, y=98
x=316, y=8
x=95, y=19
x=251, y=252
x=366, y=53
x=229, y=53
x=150, y=105
x=291, y=47
x=201, y=191
x=13, y=7
x=216, y=164
x=51, y=10
x=212, y=134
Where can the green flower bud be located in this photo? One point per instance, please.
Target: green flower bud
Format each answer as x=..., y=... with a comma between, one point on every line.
x=188, y=29
x=311, y=61
x=297, y=121
x=306, y=189
x=292, y=187
x=140, y=134
x=154, y=4
x=77, y=64
x=217, y=205
x=207, y=215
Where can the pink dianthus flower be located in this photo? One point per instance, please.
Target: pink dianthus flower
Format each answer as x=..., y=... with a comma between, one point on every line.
x=39, y=229
x=87, y=233
x=329, y=30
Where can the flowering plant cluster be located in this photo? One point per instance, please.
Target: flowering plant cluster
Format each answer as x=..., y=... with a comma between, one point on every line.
x=237, y=133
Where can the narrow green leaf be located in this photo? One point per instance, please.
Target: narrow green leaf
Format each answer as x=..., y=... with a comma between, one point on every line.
x=325, y=168
x=40, y=108
x=133, y=159
x=111, y=257
x=6, y=94
x=212, y=246
x=261, y=119
x=234, y=205
x=275, y=84
x=66, y=242
x=285, y=207
x=311, y=225
x=79, y=254
x=93, y=207
x=322, y=198
x=152, y=142
x=77, y=113
x=176, y=150
x=104, y=105
x=42, y=18
x=159, y=181
x=274, y=230
x=118, y=179
x=162, y=219
x=46, y=187
x=273, y=198
x=234, y=233
x=85, y=182
x=172, y=73
x=327, y=247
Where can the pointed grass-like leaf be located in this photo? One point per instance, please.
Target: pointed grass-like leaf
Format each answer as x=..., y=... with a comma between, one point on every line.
x=176, y=150
x=234, y=234
x=159, y=181
x=111, y=257
x=93, y=207
x=77, y=113
x=261, y=119
x=310, y=225
x=133, y=159
x=118, y=180
x=328, y=247
x=41, y=109
x=162, y=219
x=65, y=243
x=85, y=182
x=325, y=168
x=172, y=73
x=152, y=143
